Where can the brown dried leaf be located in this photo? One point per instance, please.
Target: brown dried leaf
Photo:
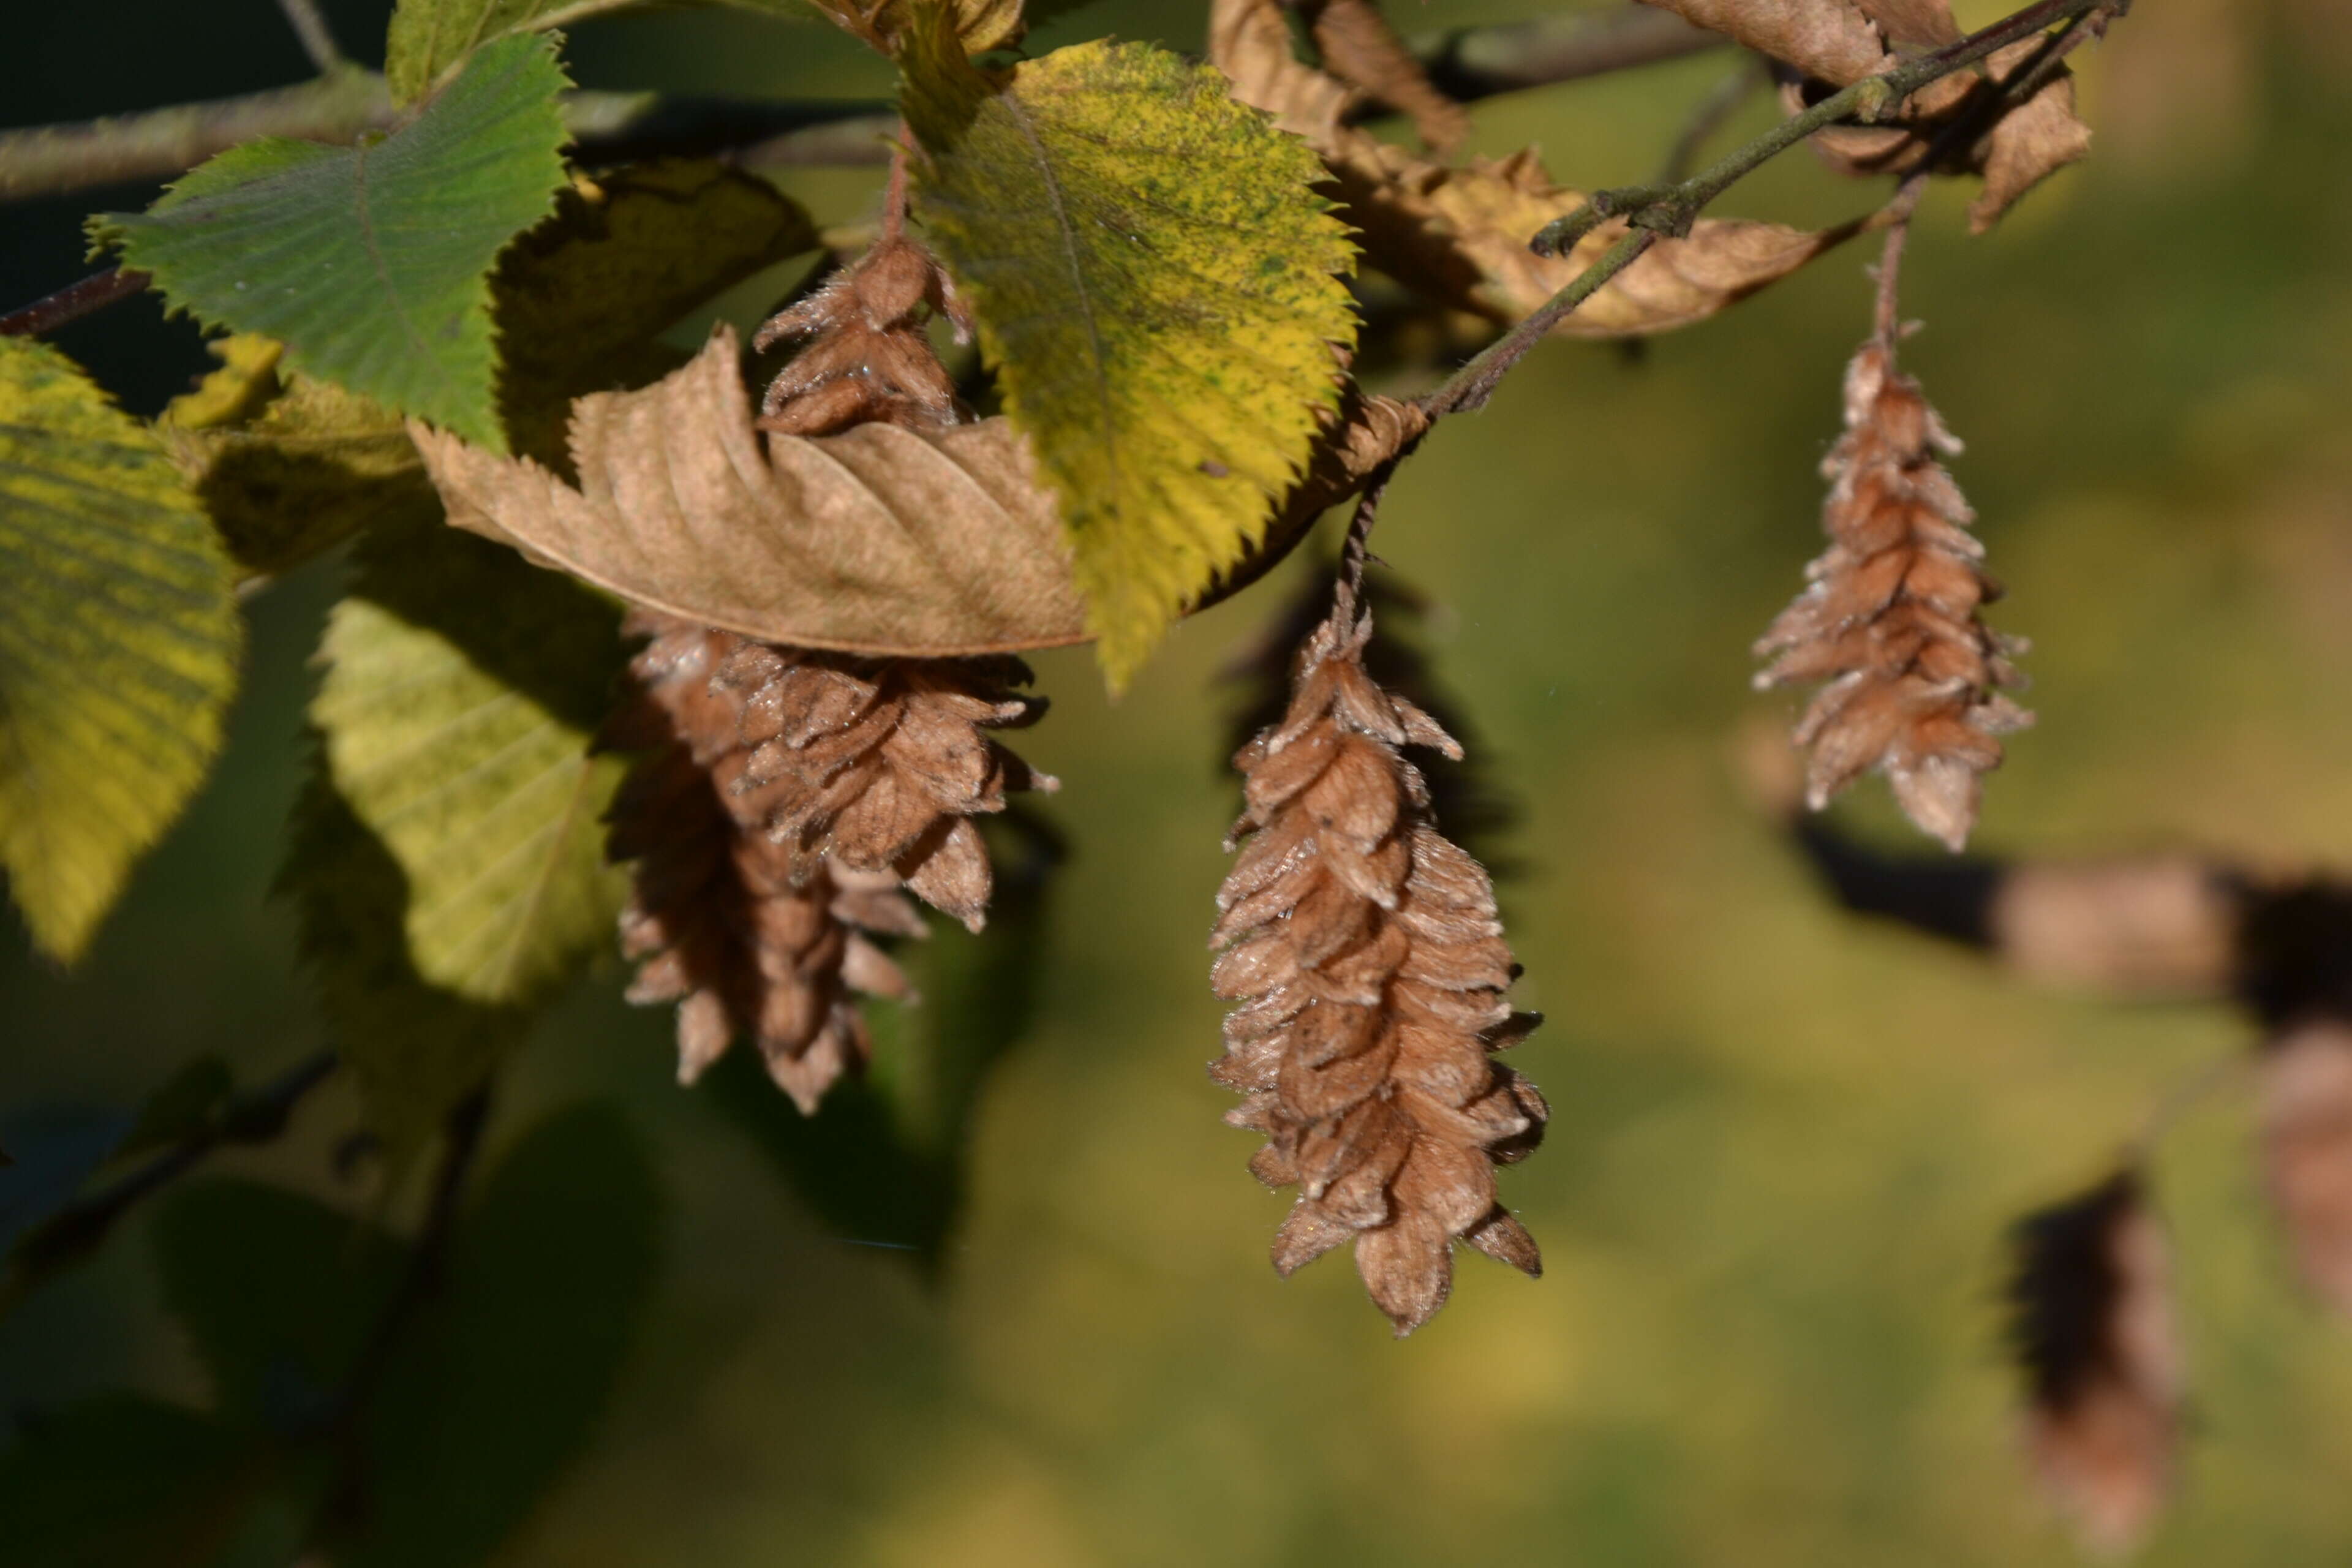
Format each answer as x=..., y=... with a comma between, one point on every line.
x=1460, y=234
x=2306, y=1097
x=1361, y=48
x=1842, y=41
x=2093, y=1326
x=877, y=541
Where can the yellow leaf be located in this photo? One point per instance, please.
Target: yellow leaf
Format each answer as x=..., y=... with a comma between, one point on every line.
x=246, y=379
x=1156, y=284
x=118, y=639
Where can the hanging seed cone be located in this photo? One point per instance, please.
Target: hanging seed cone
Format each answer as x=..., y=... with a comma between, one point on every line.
x=786, y=795
x=864, y=356
x=2092, y=1327
x=2307, y=1147
x=1890, y=620
x=876, y=766
x=1368, y=969
x=716, y=919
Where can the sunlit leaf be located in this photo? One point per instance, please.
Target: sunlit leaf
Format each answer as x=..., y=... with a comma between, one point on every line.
x=119, y=639
x=372, y=262
x=450, y=864
x=1156, y=285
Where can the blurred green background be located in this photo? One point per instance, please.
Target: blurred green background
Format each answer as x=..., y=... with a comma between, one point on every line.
x=1785, y=1142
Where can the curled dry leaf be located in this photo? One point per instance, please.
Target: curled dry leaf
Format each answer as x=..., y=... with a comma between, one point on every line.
x=1361, y=48
x=878, y=540
x=2306, y=1119
x=1460, y=234
x=1842, y=41
x=2094, y=1330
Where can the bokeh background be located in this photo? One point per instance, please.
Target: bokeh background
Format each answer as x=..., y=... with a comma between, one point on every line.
x=1786, y=1142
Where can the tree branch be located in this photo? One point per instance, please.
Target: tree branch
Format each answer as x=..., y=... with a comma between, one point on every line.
x=72, y=302
x=74, y=1231
x=618, y=127
x=1667, y=211
x=310, y=28
x=1472, y=63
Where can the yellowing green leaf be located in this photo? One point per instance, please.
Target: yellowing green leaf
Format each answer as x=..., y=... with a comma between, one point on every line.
x=318, y=465
x=577, y=300
x=580, y=299
x=246, y=379
x=371, y=263
x=450, y=868
x=1156, y=285
x=119, y=638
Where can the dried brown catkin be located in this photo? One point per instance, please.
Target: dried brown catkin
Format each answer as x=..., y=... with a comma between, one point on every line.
x=1368, y=969
x=786, y=797
x=2092, y=1324
x=1914, y=678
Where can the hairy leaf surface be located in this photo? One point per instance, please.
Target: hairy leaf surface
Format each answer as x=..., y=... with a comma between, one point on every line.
x=879, y=539
x=450, y=864
x=1156, y=284
x=119, y=639
x=371, y=263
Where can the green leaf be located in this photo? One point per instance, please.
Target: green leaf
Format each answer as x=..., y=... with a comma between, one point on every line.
x=119, y=639
x=881, y=1162
x=1156, y=284
x=448, y=860
x=498, y=1389
x=122, y=1481
x=289, y=469
x=277, y=1293
x=581, y=299
x=317, y=465
x=371, y=263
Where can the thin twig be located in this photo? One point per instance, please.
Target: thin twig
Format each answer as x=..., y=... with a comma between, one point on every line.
x=427, y=1264
x=318, y=40
x=1652, y=212
x=2181, y=1100
x=1469, y=387
x=618, y=127
x=894, y=193
x=74, y=1231
x=1887, y=316
x=1356, y=550
x=1472, y=63
x=72, y=302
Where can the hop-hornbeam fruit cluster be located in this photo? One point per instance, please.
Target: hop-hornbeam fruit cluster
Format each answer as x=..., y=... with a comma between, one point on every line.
x=864, y=356
x=2093, y=1322
x=785, y=800
x=789, y=798
x=1890, y=619
x=1369, y=967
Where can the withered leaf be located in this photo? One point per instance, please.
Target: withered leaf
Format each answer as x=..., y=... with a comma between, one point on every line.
x=1359, y=46
x=879, y=541
x=1842, y=41
x=1460, y=234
